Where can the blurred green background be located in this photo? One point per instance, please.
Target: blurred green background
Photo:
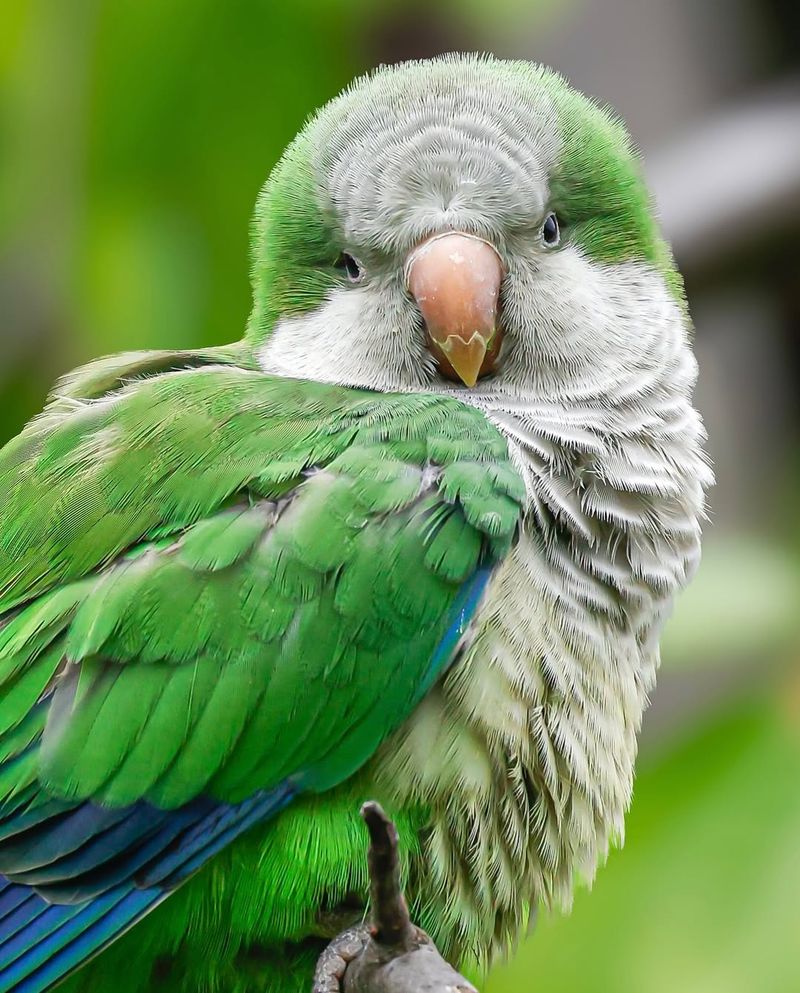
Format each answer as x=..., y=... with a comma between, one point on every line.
x=133, y=139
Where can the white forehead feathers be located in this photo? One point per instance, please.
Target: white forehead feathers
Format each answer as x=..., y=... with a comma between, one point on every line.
x=454, y=143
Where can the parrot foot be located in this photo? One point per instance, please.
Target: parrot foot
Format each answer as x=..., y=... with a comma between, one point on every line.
x=390, y=955
x=344, y=949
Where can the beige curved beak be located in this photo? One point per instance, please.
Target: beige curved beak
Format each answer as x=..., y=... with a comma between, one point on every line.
x=455, y=279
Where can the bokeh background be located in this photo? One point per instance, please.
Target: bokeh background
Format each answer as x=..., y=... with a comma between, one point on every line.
x=133, y=139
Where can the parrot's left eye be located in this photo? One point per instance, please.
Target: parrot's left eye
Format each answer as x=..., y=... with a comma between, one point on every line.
x=551, y=234
x=351, y=266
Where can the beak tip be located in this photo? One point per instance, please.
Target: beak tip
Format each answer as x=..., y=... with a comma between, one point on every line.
x=464, y=358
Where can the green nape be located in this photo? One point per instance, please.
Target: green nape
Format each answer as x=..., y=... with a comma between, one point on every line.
x=599, y=191
x=293, y=248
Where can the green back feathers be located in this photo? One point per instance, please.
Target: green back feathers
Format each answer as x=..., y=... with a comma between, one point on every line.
x=112, y=372
x=247, y=576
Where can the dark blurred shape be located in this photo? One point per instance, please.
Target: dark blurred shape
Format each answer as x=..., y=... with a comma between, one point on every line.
x=733, y=182
x=414, y=30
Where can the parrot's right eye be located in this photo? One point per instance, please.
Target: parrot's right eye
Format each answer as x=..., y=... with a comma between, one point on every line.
x=351, y=266
x=551, y=235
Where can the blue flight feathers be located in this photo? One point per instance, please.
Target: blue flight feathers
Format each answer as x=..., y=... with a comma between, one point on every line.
x=81, y=876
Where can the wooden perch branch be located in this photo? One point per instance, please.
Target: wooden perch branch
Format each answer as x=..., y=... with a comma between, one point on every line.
x=391, y=955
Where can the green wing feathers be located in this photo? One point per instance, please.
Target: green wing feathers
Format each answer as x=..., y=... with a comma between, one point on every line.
x=231, y=577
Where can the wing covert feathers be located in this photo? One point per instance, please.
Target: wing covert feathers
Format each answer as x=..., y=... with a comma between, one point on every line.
x=217, y=589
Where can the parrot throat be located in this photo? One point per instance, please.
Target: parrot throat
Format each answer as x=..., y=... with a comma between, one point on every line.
x=525, y=752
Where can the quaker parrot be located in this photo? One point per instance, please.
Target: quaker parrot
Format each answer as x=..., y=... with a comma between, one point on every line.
x=412, y=539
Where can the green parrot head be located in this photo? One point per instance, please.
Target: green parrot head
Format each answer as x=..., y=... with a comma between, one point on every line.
x=458, y=220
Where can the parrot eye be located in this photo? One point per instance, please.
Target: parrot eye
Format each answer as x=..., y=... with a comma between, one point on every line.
x=351, y=266
x=551, y=235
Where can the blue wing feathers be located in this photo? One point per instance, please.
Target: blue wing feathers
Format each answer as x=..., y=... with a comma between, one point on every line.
x=11, y=897
x=53, y=838
x=74, y=878
x=41, y=942
x=170, y=873
x=28, y=811
x=60, y=938
x=464, y=609
x=150, y=844
x=41, y=919
x=22, y=914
